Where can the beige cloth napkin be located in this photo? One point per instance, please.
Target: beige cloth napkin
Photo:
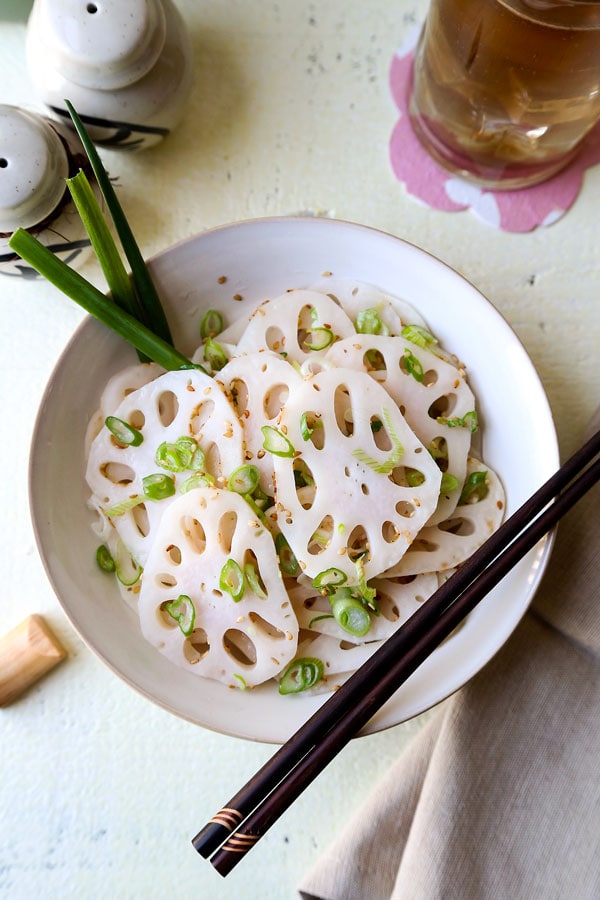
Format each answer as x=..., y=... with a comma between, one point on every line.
x=499, y=795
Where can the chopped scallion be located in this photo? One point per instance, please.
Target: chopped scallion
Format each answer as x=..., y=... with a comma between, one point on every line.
x=128, y=571
x=413, y=365
x=475, y=488
x=321, y=338
x=232, y=580
x=349, y=613
x=418, y=335
x=300, y=675
x=184, y=613
x=244, y=480
x=158, y=486
x=211, y=324
x=124, y=433
x=469, y=420
x=287, y=561
x=449, y=483
x=104, y=559
x=329, y=578
x=368, y=321
x=214, y=355
x=276, y=442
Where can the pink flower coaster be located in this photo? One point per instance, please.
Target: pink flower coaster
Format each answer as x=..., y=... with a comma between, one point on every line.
x=518, y=211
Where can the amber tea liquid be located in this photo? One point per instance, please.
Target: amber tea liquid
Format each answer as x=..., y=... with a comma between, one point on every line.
x=505, y=90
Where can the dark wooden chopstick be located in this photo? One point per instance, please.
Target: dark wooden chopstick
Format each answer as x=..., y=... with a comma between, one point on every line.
x=237, y=827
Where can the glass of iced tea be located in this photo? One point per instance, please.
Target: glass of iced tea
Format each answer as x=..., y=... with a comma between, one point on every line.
x=504, y=91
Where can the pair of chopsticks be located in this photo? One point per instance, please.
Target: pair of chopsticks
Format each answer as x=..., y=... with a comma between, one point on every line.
x=235, y=829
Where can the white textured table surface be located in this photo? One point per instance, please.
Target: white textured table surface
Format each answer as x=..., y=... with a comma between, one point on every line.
x=101, y=791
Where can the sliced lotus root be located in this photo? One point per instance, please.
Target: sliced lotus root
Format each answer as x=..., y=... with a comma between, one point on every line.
x=397, y=599
x=185, y=404
x=242, y=634
x=443, y=546
x=299, y=325
x=355, y=297
x=118, y=387
x=426, y=389
x=258, y=386
x=341, y=462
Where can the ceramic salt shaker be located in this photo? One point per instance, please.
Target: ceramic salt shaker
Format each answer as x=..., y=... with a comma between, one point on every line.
x=125, y=65
x=36, y=155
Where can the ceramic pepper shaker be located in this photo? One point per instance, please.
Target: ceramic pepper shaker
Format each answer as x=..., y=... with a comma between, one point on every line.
x=36, y=155
x=125, y=65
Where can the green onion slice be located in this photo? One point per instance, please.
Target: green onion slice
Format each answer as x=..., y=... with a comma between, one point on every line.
x=158, y=486
x=184, y=613
x=232, y=580
x=287, y=560
x=214, y=355
x=368, y=321
x=474, y=489
x=128, y=571
x=211, y=324
x=276, y=442
x=124, y=433
x=349, y=613
x=469, y=420
x=202, y=480
x=124, y=506
x=413, y=365
x=449, y=483
x=253, y=581
x=244, y=480
x=329, y=578
x=418, y=335
x=104, y=559
x=320, y=338
x=307, y=429
x=300, y=675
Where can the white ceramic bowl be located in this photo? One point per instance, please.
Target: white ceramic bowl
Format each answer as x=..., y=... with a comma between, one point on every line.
x=261, y=259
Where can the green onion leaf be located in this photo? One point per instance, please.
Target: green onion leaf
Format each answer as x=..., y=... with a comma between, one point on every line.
x=184, y=613
x=124, y=433
x=153, y=313
x=413, y=477
x=300, y=675
x=394, y=457
x=276, y=442
x=211, y=324
x=232, y=580
x=117, y=279
x=242, y=681
x=168, y=457
x=95, y=302
x=329, y=578
x=104, y=559
x=158, y=486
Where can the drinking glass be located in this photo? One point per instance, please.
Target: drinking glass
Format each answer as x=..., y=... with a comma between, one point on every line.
x=505, y=91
